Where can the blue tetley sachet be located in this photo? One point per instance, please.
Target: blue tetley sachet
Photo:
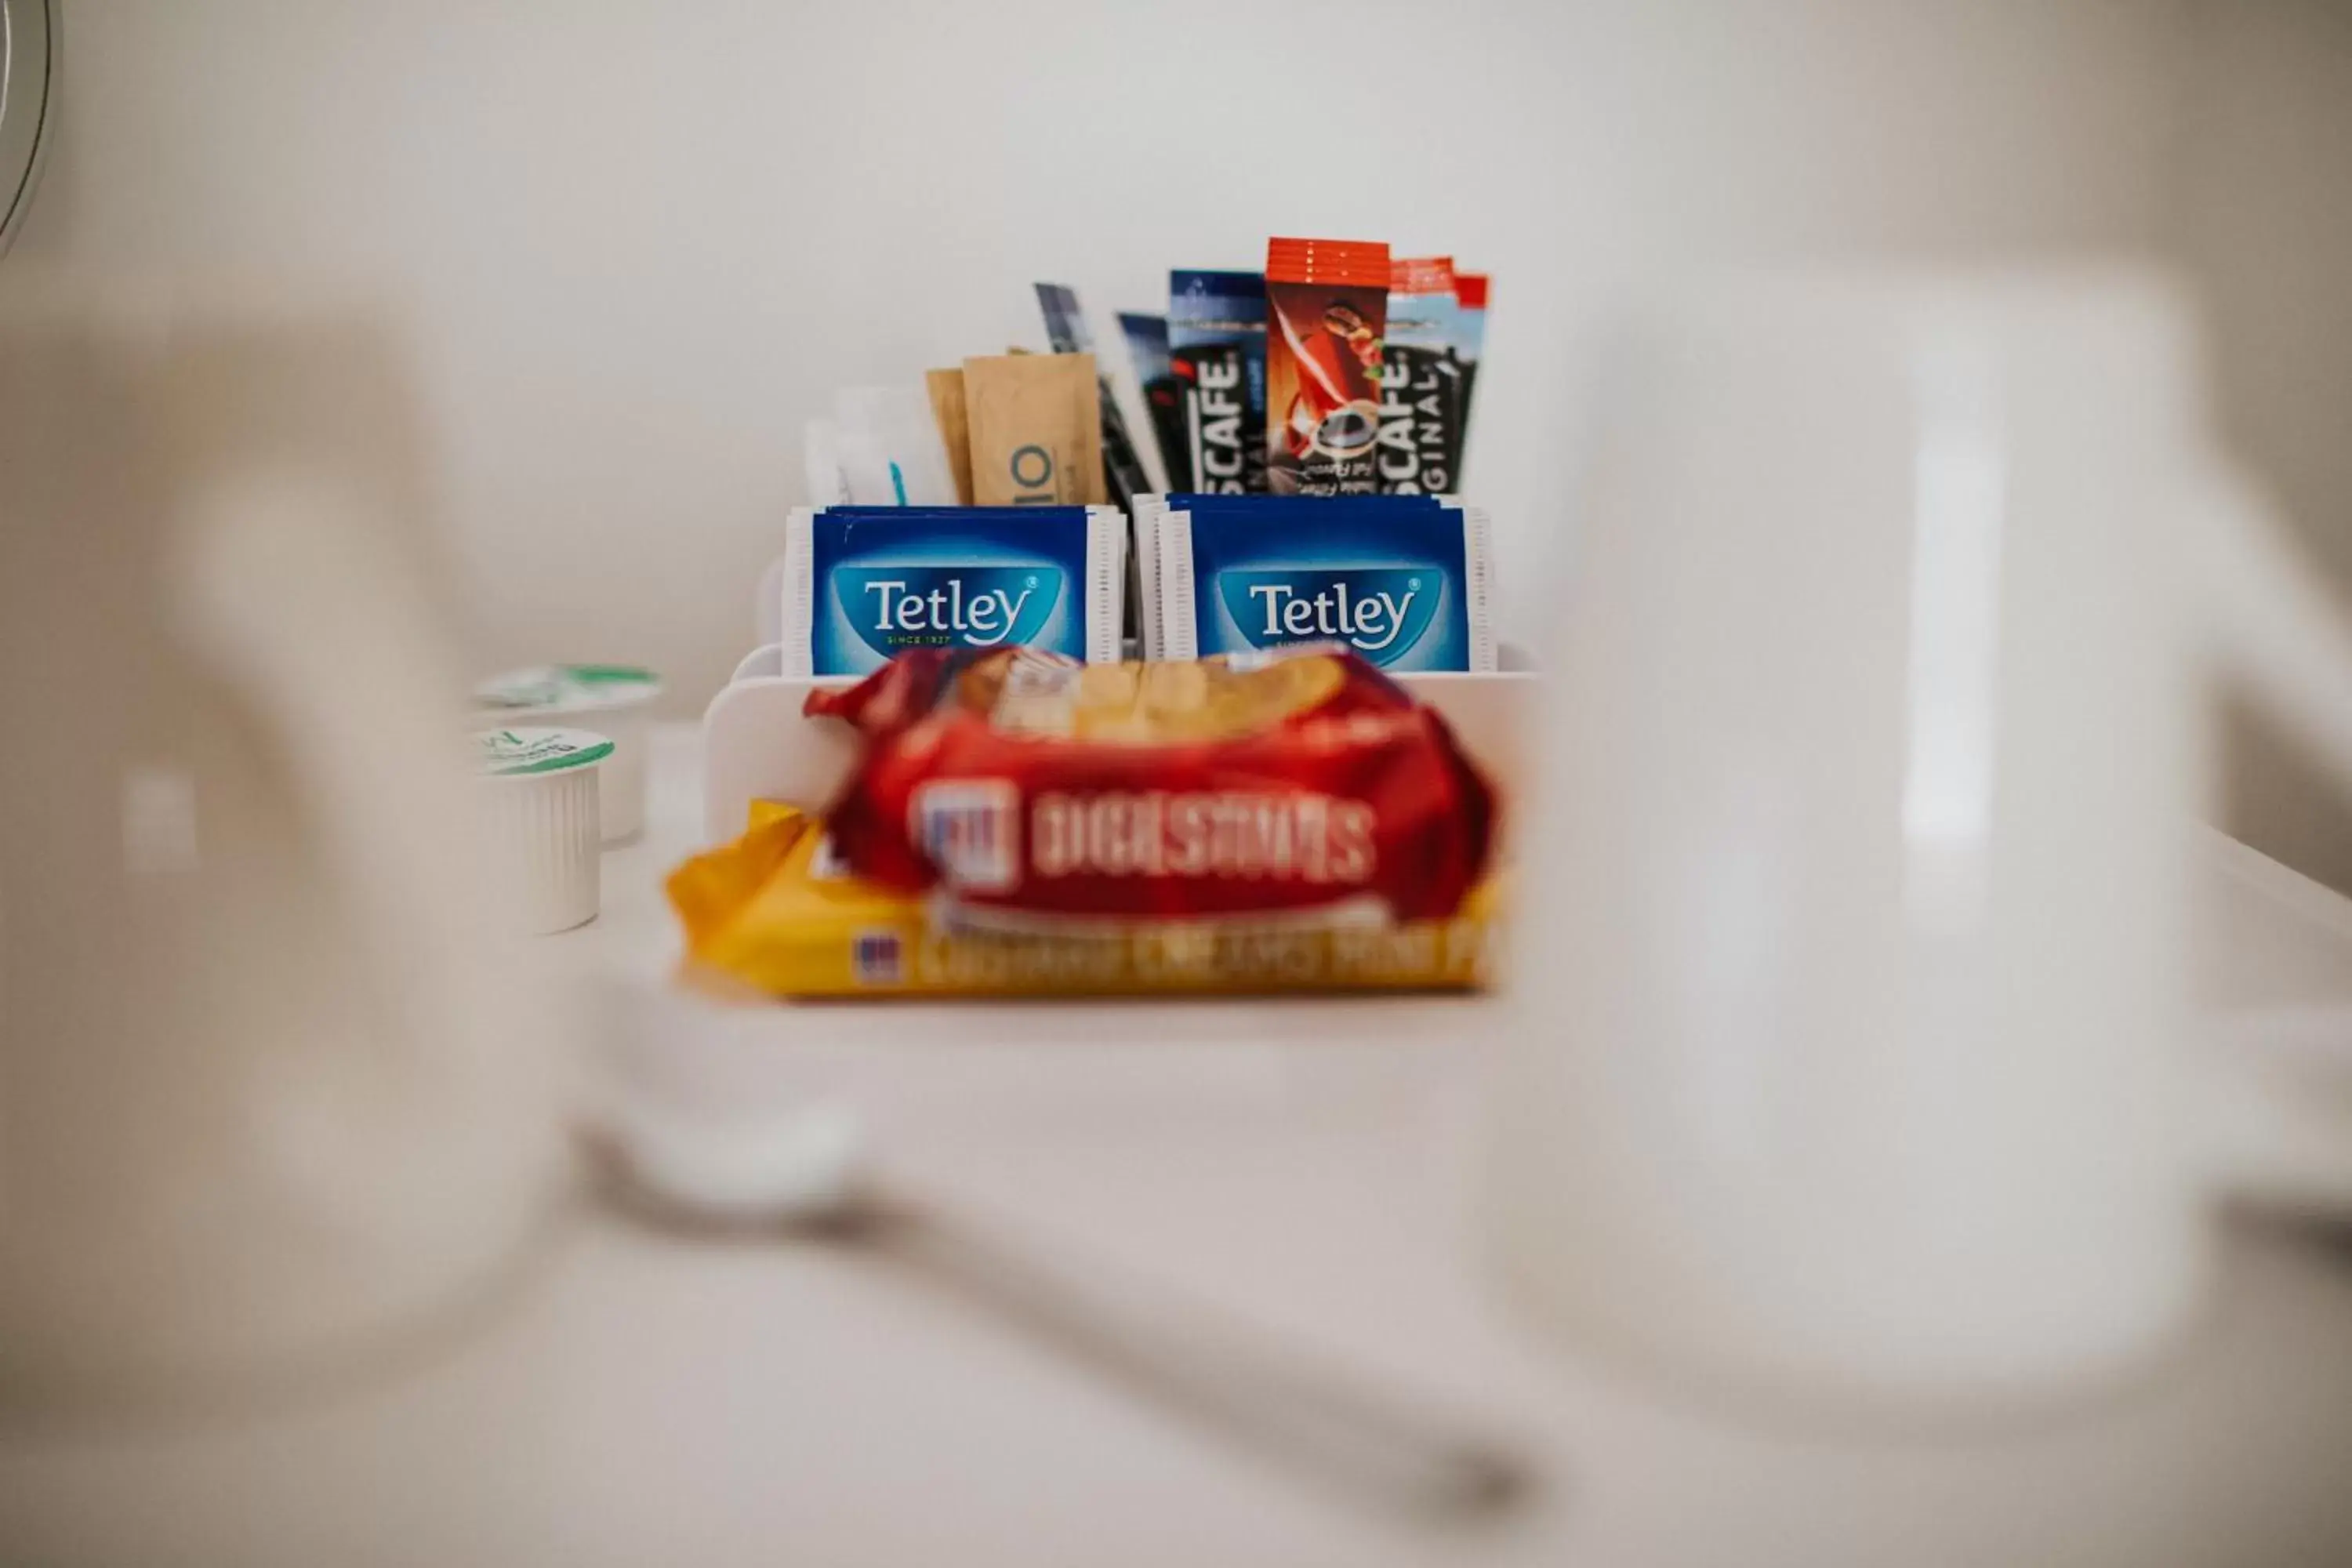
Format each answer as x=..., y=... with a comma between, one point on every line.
x=1406, y=581
x=863, y=584
x=1152, y=511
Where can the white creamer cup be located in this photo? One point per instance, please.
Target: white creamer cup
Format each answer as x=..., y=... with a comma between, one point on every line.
x=615, y=700
x=541, y=801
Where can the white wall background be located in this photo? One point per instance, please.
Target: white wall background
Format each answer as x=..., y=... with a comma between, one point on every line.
x=634, y=245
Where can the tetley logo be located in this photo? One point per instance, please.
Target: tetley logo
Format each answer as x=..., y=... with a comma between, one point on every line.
x=898, y=607
x=1381, y=612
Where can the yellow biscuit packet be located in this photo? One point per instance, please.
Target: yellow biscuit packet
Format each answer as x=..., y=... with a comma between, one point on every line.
x=776, y=911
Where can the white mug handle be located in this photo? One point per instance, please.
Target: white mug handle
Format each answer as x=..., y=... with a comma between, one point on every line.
x=2276, y=1112
x=280, y=585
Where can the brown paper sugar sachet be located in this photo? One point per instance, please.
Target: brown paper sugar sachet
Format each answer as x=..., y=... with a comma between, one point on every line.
x=1035, y=424
x=948, y=410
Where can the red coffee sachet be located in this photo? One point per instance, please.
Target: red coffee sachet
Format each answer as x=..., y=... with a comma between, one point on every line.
x=1327, y=308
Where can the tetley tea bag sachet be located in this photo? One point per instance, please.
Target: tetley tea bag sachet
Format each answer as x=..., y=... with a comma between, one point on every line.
x=863, y=584
x=1405, y=581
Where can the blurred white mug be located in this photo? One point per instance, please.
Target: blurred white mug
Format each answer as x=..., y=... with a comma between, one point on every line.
x=262, y=1093
x=1849, y=1052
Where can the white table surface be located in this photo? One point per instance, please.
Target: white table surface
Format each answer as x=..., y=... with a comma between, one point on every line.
x=639, y=1400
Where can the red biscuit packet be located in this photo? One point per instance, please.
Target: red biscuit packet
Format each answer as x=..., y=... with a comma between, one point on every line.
x=1030, y=789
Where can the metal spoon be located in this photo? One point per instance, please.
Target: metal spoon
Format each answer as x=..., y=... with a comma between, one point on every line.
x=807, y=1178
